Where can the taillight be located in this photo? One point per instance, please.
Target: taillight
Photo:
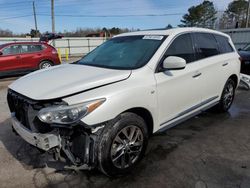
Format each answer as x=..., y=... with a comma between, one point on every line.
x=54, y=51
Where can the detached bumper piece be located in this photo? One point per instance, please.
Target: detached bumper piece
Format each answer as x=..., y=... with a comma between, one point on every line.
x=245, y=81
x=78, y=148
x=42, y=141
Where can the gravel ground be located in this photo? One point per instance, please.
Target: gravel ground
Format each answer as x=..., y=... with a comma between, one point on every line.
x=208, y=151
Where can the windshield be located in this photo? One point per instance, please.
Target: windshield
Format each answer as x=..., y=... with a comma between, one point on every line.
x=128, y=52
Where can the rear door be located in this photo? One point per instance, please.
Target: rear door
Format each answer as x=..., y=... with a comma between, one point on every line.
x=208, y=56
x=228, y=59
x=31, y=55
x=10, y=60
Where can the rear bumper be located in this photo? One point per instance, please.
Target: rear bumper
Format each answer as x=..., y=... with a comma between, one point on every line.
x=41, y=141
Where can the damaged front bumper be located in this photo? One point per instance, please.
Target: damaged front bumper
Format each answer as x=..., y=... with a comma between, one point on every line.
x=42, y=141
x=78, y=147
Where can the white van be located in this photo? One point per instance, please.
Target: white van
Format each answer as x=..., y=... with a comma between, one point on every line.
x=100, y=111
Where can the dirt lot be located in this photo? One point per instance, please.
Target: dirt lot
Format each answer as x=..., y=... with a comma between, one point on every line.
x=210, y=150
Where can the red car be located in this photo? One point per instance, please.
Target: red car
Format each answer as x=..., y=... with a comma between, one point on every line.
x=23, y=57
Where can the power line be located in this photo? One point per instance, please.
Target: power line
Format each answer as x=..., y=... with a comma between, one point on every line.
x=14, y=17
x=15, y=3
x=7, y=6
x=113, y=2
x=128, y=15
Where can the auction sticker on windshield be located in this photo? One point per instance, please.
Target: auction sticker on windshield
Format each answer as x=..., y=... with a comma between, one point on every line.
x=153, y=37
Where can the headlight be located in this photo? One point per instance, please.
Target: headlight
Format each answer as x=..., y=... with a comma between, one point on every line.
x=68, y=114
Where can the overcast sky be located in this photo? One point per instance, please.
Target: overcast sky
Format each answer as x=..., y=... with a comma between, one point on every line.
x=16, y=15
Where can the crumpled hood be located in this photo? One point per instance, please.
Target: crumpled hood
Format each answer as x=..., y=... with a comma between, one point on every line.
x=65, y=80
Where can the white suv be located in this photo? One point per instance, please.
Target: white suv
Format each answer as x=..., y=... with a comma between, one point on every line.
x=100, y=111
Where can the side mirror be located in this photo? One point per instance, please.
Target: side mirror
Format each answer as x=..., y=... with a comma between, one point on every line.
x=174, y=63
x=239, y=49
x=1, y=53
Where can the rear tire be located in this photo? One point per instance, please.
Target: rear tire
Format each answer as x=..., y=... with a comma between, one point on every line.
x=227, y=96
x=45, y=64
x=122, y=144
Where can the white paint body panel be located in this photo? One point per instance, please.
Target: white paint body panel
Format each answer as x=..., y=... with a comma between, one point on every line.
x=165, y=95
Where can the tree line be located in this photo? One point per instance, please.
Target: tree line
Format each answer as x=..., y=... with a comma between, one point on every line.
x=206, y=15
x=79, y=32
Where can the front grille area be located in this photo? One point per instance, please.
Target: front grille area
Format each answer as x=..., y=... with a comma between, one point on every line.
x=26, y=111
x=19, y=105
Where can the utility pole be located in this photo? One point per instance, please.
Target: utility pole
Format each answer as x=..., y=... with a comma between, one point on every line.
x=53, y=16
x=248, y=11
x=34, y=12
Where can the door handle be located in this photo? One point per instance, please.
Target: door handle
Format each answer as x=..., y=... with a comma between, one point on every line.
x=224, y=64
x=197, y=75
x=18, y=57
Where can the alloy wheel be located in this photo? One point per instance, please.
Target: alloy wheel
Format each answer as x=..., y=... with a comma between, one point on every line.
x=228, y=95
x=45, y=65
x=126, y=147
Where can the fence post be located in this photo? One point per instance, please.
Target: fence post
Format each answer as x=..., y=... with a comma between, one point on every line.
x=88, y=45
x=67, y=54
x=69, y=47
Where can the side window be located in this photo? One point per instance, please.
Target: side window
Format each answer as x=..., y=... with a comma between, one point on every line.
x=182, y=47
x=24, y=48
x=36, y=48
x=13, y=49
x=206, y=45
x=30, y=48
x=224, y=45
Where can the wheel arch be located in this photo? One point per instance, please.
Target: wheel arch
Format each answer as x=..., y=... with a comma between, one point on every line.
x=146, y=115
x=235, y=78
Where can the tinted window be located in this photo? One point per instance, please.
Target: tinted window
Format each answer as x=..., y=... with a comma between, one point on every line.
x=182, y=47
x=15, y=49
x=224, y=44
x=30, y=48
x=206, y=45
x=36, y=48
x=24, y=49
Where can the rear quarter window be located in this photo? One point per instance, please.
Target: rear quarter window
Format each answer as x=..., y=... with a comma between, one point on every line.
x=223, y=43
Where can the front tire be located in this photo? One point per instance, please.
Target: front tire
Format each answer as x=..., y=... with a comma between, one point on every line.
x=122, y=144
x=227, y=96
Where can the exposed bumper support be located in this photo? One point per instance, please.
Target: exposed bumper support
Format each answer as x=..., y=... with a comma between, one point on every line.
x=245, y=81
x=42, y=141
